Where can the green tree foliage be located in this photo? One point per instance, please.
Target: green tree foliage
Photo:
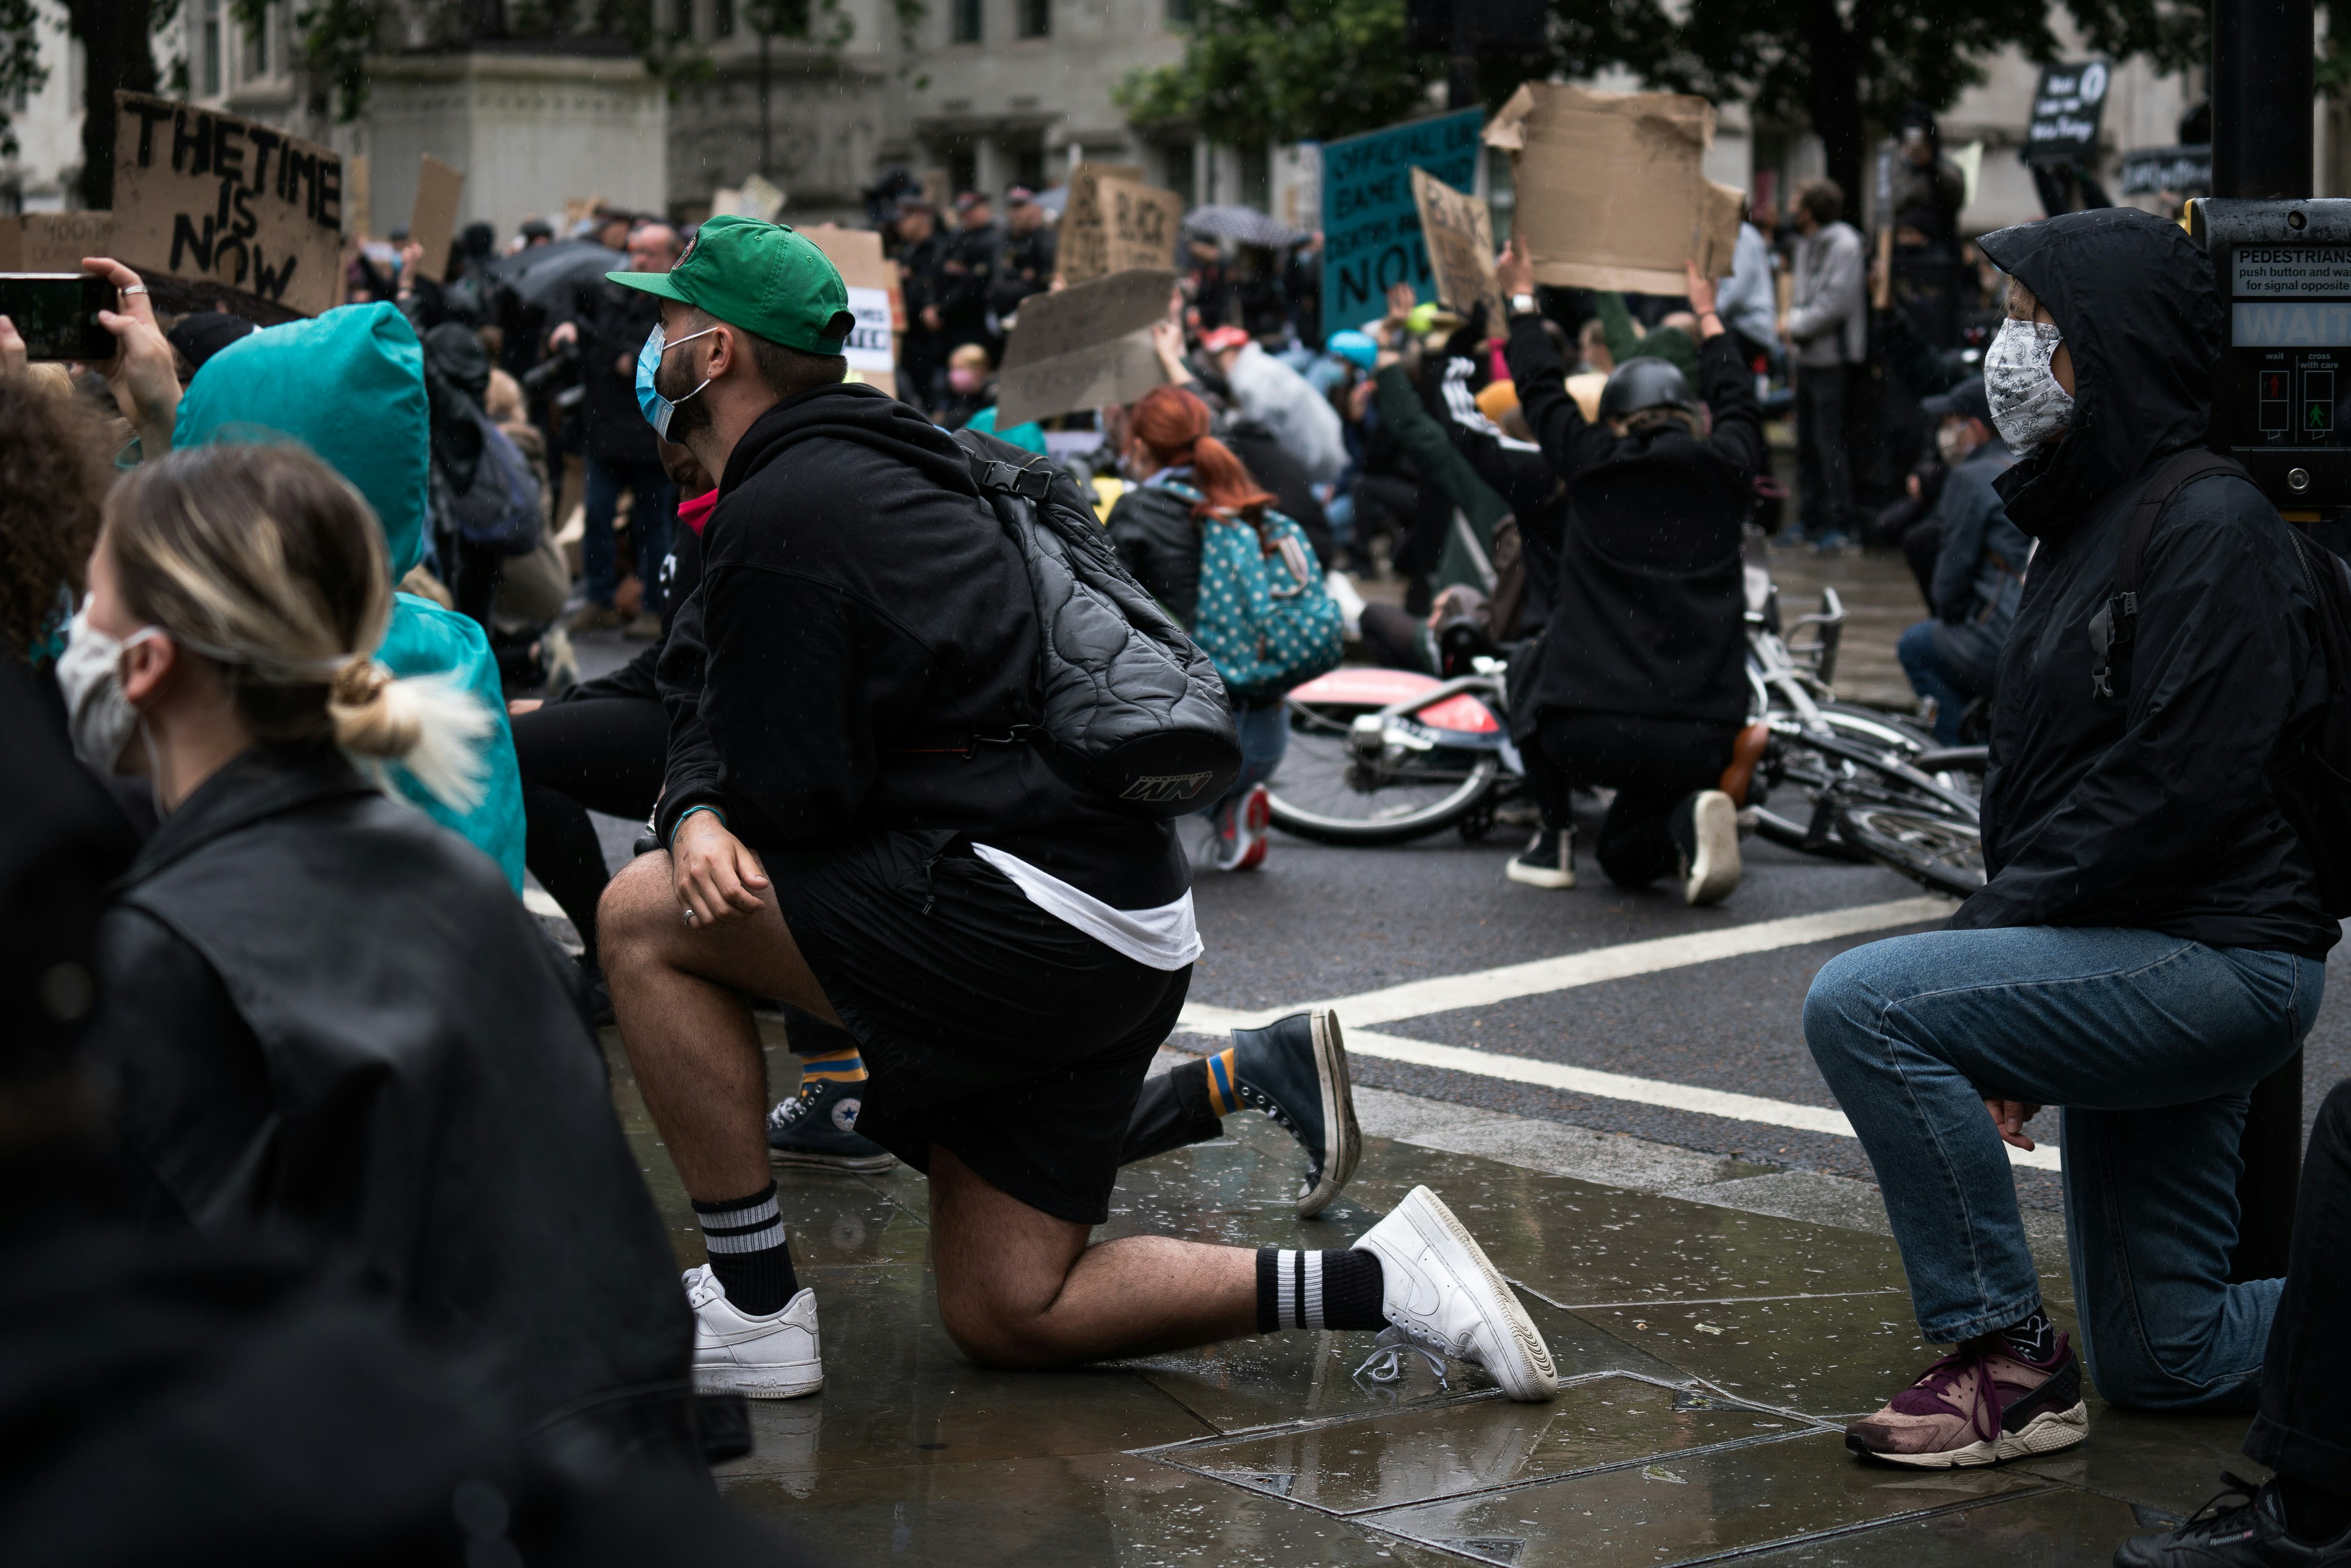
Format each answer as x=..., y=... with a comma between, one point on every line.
x=1281, y=70
x=21, y=72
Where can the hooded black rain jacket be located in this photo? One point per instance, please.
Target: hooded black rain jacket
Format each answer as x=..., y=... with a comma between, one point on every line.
x=1650, y=618
x=2150, y=807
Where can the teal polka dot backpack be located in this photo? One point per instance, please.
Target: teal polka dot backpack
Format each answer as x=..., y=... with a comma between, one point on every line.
x=1264, y=617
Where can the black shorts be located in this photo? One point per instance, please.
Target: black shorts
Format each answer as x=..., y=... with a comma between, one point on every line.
x=988, y=1027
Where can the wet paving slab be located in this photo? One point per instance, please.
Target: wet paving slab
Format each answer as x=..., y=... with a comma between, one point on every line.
x=1708, y=1356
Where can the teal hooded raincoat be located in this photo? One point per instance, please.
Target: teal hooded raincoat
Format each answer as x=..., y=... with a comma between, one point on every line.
x=350, y=385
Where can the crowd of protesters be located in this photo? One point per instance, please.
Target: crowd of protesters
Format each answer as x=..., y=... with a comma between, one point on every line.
x=288, y=619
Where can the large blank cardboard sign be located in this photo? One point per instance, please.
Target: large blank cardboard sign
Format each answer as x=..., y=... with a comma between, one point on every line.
x=216, y=199
x=1086, y=346
x=1611, y=194
x=1459, y=233
x=872, y=349
x=1115, y=223
x=433, y=221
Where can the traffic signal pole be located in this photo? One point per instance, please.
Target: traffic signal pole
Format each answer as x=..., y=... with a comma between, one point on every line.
x=2262, y=54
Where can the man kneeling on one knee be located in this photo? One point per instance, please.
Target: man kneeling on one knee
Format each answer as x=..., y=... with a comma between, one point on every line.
x=853, y=825
x=2150, y=944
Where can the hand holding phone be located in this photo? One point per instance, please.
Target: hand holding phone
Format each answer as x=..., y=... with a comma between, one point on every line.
x=54, y=314
x=138, y=364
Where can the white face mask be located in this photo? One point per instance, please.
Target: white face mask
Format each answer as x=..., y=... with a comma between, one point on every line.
x=1951, y=441
x=89, y=674
x=2027, y=405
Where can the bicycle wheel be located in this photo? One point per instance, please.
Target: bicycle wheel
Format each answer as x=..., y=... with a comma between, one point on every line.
x=1328, y=792
x=1930, y=845
x=1796, y=776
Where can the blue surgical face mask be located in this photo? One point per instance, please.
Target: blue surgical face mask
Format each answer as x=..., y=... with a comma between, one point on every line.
x=657, y=408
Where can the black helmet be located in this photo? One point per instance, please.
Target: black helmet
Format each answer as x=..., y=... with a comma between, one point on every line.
x=1645, y=383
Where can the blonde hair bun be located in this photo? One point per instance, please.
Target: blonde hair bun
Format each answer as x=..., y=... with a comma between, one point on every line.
x=431, y=725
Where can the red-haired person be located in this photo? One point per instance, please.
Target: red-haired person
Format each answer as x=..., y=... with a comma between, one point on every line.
x=1179, y=473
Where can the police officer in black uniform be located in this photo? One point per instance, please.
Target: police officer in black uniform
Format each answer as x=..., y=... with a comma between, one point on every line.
x=922, y=254
x=1030, y=251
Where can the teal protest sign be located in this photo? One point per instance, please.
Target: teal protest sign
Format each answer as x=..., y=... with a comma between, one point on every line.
x=1371, y=224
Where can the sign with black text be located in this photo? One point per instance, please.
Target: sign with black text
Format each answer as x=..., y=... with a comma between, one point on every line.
x=1459, y=233
x=1371, y=221
x=220, y=199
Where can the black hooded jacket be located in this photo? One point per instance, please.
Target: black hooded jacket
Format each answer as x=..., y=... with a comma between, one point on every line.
x=863, y=633
x=1651, y=614
x=332, y=1025
x=2148, y=807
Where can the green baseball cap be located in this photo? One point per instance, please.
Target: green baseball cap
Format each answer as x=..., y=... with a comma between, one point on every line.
x=763, y=278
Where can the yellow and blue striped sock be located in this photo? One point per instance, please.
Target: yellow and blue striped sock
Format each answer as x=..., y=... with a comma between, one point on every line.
x=1224, y=1083
x=844, y=1066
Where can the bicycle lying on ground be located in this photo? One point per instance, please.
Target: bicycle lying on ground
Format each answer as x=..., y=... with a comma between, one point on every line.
x=1383, y=756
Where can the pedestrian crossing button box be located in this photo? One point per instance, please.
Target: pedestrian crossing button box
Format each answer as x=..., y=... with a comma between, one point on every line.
x=2284, y=270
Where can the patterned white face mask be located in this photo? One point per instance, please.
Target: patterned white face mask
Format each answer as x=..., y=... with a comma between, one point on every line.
x=2027, y=403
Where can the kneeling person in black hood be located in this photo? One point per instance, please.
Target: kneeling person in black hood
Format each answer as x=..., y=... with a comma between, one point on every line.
x=854, y=822
x=2150, y=944
x=1639, y=683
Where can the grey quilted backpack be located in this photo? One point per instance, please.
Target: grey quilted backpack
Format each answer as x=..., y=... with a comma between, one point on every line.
x=1127, y=703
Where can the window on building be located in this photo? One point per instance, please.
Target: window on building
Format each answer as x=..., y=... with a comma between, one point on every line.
x=1176, y=159
x=681, y=24
x=1257, y=178
x=722, y=18
x=208, y=50
x=963, y=171
x=1179, y=13
x=257, y=48
x=1036, y=18
x=967, y=21
x=1029, y=167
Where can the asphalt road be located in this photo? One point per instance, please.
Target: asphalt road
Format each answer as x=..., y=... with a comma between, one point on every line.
x=1319, y=923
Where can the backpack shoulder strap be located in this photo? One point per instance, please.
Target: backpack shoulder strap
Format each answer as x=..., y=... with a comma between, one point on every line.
x=2115, y=627
x=994, y=467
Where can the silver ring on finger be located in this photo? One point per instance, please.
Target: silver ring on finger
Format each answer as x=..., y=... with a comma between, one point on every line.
x=689, y=916
x=136, y=288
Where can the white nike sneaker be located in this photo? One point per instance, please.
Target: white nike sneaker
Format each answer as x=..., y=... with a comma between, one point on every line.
x=1706, y=834
x=1439, y=1286
x=774, y=1357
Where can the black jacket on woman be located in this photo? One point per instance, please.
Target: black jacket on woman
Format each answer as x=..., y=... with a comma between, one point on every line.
x=1650, y=617
x=333, y=1027
x=2148, y=807
x=1158, y=542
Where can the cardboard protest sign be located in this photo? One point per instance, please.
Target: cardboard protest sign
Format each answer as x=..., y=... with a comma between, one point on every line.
x=54, y=242
x=1115, y=223
x=433, y=221
x=1084, y=347
x=871, y=347
x=1611, y=190
x=217, y=199
x=1459, y=233
x=1371, y=221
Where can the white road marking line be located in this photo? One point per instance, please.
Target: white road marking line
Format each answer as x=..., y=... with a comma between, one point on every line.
x=1544, y=975
x=1214, y=1021
x=1483, y=988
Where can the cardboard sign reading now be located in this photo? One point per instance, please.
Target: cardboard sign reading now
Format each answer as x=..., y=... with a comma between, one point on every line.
x=1115, y=223
x=214, y=198
x=1611, y=191
x=1084, y=347
x=1459, y=233
x=1370, y=223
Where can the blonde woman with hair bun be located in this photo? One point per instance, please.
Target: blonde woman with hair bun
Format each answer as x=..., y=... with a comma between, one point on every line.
x=327, y=1018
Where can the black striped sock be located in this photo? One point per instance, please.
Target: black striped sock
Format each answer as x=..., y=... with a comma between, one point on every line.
x=744, y=1238
x=1337, y=1289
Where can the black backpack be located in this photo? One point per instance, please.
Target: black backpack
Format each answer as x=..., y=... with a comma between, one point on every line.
x=503, y=509
x=2311, y=780
x=1128, y=702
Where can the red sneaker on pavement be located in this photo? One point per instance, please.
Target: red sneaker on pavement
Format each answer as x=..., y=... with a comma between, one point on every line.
x=1979, y=1406
x=1241, y=831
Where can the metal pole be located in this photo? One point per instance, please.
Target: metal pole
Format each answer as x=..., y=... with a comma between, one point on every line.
x=2262, y=54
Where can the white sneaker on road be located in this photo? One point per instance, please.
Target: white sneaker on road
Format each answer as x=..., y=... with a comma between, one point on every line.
x=1706, y=832
x=773, y=1357
x=1439, y=1286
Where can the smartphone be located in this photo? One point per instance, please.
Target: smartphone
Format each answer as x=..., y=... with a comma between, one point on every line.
x=56, y=314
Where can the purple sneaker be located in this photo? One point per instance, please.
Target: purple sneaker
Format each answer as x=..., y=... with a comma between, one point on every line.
x=1979, y=1406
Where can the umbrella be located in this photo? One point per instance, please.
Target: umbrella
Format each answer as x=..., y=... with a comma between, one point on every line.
x=1246, y=225
x=1053, y=199
x=545, y=274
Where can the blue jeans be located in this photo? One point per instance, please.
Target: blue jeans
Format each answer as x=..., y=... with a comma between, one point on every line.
x=1924, y=665
x=1265, y=738
x=652, y=505
x=2151, y=1043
